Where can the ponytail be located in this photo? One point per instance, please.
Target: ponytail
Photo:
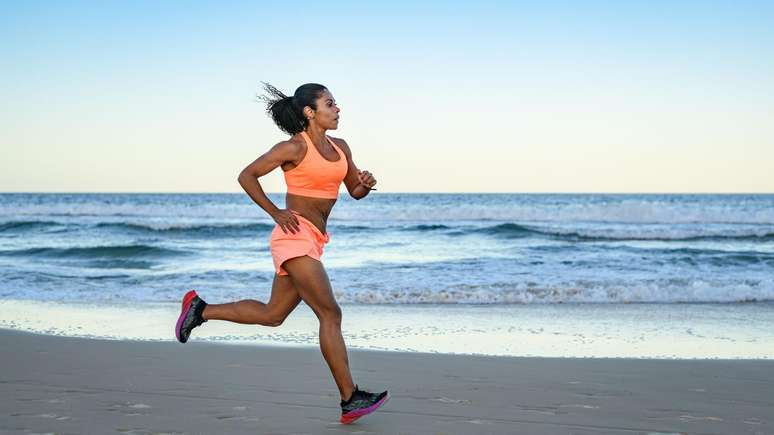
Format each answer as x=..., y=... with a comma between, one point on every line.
x=288, y=111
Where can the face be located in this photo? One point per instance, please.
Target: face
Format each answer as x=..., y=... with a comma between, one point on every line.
x=327, y=113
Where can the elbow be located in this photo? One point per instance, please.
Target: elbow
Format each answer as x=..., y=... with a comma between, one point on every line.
x=242, y=178
x=244, y=175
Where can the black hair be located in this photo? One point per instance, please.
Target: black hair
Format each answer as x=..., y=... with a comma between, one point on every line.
x=288, y=112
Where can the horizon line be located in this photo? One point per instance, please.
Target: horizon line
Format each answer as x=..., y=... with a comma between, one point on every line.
x=381, y=193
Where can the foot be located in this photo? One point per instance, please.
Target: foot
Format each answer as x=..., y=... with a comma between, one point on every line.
x=361, y=403
x=190, y=316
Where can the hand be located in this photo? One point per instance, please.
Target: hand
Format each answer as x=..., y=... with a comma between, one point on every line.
x=286, y=220
x=366, y=179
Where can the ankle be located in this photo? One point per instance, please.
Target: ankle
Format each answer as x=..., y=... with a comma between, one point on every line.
x=346, y=397
x=201, y=310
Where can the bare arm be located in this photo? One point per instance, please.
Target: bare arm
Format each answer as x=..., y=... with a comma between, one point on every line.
x=359, y=183
x=282, y=152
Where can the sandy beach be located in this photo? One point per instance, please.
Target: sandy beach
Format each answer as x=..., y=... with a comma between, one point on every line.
x=73, y=385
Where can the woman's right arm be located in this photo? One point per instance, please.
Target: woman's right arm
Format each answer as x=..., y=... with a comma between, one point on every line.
x=286, y=151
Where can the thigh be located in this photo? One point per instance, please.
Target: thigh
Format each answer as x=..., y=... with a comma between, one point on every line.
x=312, y=284
x=284, y=296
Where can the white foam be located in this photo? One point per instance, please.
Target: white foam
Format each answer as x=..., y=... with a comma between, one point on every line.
x=695, y=291
x=665, y=232
x=633, y=331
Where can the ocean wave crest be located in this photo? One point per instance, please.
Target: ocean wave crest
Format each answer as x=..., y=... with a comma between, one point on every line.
x=25, y=225
x=96, y=252
x=630, y=233
x=218, y=230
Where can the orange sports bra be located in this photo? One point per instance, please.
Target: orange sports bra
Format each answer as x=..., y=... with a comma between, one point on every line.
x=315, y=176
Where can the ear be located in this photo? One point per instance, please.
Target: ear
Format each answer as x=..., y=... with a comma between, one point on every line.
x=308, y=112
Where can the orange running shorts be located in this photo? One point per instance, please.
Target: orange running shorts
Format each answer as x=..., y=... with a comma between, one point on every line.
x=308, y=240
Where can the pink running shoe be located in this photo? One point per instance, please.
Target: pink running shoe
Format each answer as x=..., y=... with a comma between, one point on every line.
x=361, y=403
x=190, y=316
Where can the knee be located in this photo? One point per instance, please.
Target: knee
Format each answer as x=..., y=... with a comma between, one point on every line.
x=330, y=314
x=275, y=320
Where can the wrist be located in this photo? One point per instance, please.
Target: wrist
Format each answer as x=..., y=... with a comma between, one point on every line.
x=361, y=191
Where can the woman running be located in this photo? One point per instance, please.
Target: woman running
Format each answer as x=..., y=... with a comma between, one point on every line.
x=314, y=166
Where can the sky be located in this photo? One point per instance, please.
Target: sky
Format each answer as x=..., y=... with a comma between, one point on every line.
x=572, y=96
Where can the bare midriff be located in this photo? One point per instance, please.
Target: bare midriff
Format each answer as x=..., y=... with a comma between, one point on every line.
x=314, y=209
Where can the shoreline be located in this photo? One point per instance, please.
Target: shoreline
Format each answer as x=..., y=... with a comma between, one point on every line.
x=66, y=385
x=639, y=331
x=307, y=346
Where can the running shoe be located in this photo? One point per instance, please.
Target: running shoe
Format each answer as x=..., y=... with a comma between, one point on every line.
x=190, y=316
x=361, y=403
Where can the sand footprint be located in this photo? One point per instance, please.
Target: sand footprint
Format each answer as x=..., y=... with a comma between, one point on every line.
x=129, y=408
x=449, y=400
x=54, y=417
x=688, y=417
x=237, y=417
x=145, y=432
x=752, y=420
x=477, y=421
x=578, y=405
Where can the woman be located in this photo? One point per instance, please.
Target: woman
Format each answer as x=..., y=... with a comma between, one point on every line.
x=314, y=166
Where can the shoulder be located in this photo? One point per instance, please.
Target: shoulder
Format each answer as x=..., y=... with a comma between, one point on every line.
x=341, y=143
x=290, y=147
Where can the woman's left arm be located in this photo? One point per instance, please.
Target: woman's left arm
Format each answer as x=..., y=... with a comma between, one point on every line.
x=359, y=183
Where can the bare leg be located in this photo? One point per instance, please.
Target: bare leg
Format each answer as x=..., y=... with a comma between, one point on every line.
x=284, y=299
x=312, y=284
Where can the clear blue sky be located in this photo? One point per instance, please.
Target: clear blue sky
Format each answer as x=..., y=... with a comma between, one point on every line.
x=440, y=97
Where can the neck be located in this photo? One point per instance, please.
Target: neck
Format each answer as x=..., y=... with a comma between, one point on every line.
x=316, y=133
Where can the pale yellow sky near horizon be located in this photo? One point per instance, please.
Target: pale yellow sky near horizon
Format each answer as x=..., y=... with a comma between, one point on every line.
x=531, y=148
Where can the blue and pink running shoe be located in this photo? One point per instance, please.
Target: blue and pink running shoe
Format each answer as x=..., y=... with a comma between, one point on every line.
x=190, y=316
x=361, y=403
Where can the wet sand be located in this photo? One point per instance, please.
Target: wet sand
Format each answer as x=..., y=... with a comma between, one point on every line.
x=71, y=385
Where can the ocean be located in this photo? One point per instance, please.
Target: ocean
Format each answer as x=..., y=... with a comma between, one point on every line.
x=498, y=274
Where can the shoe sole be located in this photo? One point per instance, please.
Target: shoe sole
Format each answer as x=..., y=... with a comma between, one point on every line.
x=183, y=313
x=354, y=415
